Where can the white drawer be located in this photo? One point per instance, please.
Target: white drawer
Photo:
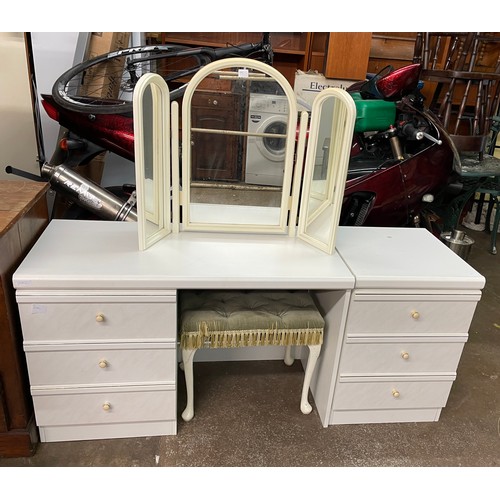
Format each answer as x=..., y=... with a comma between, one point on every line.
x=97, y=318
x=403, y=357
x=382, y=395
x=101, y=364
x=412, y=314
x=106, y=406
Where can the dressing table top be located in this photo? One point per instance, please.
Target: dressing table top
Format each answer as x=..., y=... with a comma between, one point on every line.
x=388, y=257
x=104, y=255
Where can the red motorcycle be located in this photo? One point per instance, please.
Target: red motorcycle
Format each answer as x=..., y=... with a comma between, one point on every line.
x=394, y=173
x=401, y=157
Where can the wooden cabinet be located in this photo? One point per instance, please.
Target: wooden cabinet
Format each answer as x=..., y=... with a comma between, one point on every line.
x=216, y=157
x=23, y=216
x=347, y=56
x=391, y=48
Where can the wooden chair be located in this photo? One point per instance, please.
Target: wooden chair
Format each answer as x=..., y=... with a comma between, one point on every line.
x=458, y=51
x=489, y=193
x=461, y=73
x=442, y=50
x=491, y=189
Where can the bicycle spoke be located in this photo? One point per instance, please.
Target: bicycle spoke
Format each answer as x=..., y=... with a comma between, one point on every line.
x=106, y=84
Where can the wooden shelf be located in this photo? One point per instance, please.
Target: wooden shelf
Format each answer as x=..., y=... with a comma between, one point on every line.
x=292, y=50
x=290, y=43
x=336, y=55
x=395, y=49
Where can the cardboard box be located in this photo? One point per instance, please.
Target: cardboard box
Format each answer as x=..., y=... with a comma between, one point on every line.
x=308, y=85
x=102, y=43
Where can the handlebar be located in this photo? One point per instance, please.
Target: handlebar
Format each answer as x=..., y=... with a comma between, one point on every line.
x=432, y=139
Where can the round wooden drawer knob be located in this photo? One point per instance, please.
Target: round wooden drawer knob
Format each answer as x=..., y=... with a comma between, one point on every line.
x=415, y=314
x=405, y=355
x=103, y=363
x=99, y=318
x=395, y=393
x=106, y=407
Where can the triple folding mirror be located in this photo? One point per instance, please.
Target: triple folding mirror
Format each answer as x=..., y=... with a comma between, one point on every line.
x=234, y=160
x=152, y=159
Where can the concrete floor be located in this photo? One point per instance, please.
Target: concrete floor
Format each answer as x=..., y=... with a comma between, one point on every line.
x=247, y=414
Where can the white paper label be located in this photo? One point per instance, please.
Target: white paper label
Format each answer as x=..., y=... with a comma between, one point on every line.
x=38, y=309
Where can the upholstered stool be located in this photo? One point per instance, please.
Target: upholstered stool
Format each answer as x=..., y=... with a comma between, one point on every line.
x=225, y=319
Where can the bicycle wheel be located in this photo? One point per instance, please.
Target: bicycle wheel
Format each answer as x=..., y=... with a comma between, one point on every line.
x=105, y=84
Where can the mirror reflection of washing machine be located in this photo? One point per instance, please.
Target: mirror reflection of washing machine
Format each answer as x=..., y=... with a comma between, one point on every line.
x=265, y=158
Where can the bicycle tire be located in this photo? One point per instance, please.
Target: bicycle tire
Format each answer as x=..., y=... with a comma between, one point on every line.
x=105, y=84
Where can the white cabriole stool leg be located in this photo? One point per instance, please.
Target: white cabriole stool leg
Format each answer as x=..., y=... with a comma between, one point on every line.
x=187, y=361
x=288, y=356
x=314, y=351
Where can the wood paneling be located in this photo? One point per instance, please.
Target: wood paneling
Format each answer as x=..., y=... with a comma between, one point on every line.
x=391, y=48
x=23, y=216
x=347, y=55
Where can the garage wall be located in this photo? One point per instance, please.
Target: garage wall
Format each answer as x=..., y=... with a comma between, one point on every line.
x=18, y=146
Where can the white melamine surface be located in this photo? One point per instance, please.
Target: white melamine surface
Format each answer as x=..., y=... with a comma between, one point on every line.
x=90, y=364
x=379, y=395
x=405, y=357
x=385, y=314
x=389, y=290
x=104, y=255
x=403, y=258
x=77, y=321
x=125, y=406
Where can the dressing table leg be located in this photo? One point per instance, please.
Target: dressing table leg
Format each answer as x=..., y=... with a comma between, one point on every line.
x=314, y=351
x=187, y=361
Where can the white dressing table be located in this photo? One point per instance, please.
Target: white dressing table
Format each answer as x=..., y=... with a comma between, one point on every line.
x=99, y=321
x=99, y=316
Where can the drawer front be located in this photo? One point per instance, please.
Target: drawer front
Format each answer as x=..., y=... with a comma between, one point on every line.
x=412, y=315
x=98, y=320
x=391, y=395
x=101, y=365
x=105, y=407
x=404, y=357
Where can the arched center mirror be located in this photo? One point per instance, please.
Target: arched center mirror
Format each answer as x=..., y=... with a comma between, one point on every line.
x=239, y=121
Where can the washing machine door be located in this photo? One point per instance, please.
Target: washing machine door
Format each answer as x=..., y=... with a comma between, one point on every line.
x=272, y=148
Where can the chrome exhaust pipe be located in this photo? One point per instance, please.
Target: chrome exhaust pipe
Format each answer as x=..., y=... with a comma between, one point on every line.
x=89, y=195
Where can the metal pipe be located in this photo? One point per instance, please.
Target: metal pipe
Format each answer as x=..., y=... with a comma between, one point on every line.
x=22, y=173
x=88, y=194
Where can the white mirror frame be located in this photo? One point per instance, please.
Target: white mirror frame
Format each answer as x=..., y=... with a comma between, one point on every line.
x=287, y=194
x=153, y=199
x=164, y=213
x=325, y=217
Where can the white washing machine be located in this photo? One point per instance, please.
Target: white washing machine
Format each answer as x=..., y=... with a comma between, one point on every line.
x=265, y=158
